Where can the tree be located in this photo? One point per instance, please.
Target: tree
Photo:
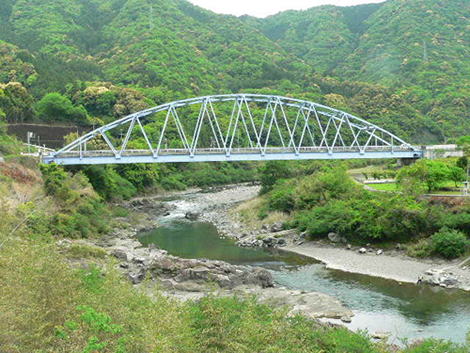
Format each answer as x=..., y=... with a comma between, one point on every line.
x=464, y=143
x=271, y=172
x=456, y=174
x=426, y=172
x=56, y=107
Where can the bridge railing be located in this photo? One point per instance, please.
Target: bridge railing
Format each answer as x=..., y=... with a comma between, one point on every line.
x=202, y=151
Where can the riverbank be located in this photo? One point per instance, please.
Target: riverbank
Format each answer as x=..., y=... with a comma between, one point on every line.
x=150, y=268
x=215, y=207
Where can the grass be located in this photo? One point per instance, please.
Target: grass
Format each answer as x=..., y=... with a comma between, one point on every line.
x=248, y=213
x=394, y=187
x=85, y=251
x=384, y=186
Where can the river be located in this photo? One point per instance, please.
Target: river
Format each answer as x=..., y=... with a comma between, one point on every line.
x=406, y=311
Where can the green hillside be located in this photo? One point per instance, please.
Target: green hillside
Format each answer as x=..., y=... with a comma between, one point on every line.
x=417, y=48
x=115, y=56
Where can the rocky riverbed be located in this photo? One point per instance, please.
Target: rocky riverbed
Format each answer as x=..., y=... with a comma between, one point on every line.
x=214, y=207
x=149, y=267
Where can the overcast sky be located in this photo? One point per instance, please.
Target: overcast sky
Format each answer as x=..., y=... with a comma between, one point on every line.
x=263, y=8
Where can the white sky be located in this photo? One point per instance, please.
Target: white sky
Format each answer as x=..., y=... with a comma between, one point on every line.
x=263, y=8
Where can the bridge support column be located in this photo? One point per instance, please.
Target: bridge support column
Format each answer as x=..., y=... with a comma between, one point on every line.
x=403, y=162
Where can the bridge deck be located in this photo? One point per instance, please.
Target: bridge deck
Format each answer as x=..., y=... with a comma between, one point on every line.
x=220, y=154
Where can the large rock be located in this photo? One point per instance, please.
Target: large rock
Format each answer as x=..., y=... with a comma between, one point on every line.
x=192, y=216
x=310, y=304
x=221, y=273
x=439, y=277
x=277, y=227
x=336, y=238
x=120, y=254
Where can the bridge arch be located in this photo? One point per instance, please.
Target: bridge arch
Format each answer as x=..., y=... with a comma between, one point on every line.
x=233, y=127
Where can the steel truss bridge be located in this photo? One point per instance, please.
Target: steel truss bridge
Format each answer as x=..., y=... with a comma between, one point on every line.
x=235, y=127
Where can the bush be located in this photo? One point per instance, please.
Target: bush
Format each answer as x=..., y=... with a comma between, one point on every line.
x=282, y=197
x=449, y=243
x=109, y=184
x=422, y=248
x=459, y=221
x=81, y=211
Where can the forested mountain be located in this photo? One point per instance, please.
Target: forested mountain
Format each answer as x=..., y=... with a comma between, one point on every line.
x=401, y=64
x=421, y=48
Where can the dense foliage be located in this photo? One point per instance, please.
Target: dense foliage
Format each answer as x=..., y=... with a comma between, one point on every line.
x=114, y=57
x=449, y=243
x=328, y=200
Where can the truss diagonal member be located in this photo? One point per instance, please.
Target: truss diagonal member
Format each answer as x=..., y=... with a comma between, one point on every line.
x=265, y=116
x=386, y=143
x=307, y=128
x=179, y=128
x=294, y=129
x=128, y=135
x=368, y=141
x=274, y=116
x=235, y=126
x=197, y=129
x=320, y=127
x=338, y=132
x=232, y=115
x=325, y=137
x=108, y=142
x=146, y=137
x=289, y=131
x=160, y=139
x=212, y=125
x=240, y=106
x=355, y=136
x=253, y=126
x=219, y=130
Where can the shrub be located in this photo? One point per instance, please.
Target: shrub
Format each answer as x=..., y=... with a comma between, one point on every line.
x=109, y=184
x=282, y=197
x=449, y=243
x=81, y=251
x=459, y=221
x=435, y=345
x=422, y=248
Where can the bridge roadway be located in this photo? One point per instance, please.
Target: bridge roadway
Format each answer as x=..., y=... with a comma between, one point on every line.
x=235, y=154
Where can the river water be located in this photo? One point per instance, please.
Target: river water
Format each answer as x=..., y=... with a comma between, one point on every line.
x=406, y=311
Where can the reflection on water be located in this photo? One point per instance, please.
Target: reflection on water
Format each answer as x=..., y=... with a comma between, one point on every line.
x=405, y=310
x=200, y=240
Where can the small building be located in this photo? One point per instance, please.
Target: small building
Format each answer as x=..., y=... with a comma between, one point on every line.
x=441, y=151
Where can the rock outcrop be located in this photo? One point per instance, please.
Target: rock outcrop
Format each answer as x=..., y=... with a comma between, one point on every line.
x=440, y=277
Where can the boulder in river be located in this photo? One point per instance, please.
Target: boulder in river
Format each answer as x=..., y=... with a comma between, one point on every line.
x=310, y=304
x=440, y=277
x=192, y=216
